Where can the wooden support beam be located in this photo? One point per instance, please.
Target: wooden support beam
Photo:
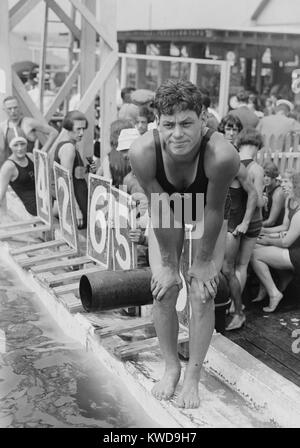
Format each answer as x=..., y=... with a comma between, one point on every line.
x=77, y=261
x=19, y=223
x=107, y=14
x=21, y=11
x=88, y=60
x=63, y=91
x=39, y=246
x=30, y=261
x=7, y=235
x=76, y=275
x=98, y=81
x=88, y=16
x=71, y=287
x=5, y=62
x=43, y=58
x=64, y=18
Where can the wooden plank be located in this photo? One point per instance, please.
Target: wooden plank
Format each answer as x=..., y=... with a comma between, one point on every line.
x=77, y=261
x=134, y=348
x=98, y=81
x=5, y=62
x=20, y=223
x=268, y=360
x=64, y=18
x=39, y=246
x=119, y=328
x=88, y=16
x=43, y=57
x=71, y=302
x=21, y=11
x=41, y=258
x=72, y=275
x=63, y=91
x=274, y=351
x=41, y=228
x=71, y=287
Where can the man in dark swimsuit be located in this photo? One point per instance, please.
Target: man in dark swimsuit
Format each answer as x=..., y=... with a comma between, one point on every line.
x=184, y=157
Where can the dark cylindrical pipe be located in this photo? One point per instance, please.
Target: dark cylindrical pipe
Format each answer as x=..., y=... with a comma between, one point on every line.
x=108, y=290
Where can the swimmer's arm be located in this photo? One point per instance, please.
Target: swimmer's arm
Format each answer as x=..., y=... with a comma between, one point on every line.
x=6, y=175
x=251, y=192
x=67, y=157
x=282, y=227
x=44, y=129
x=277, y=204
x=258, y=180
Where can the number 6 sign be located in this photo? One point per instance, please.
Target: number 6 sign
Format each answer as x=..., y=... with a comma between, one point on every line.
x=66, y=205
x=42, y=186
x=99, y=217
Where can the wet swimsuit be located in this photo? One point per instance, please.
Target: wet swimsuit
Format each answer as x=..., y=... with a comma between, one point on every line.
x=200, y=183
x=24, y=185
x=266, y=210
x=238, y=208
x=80, y=185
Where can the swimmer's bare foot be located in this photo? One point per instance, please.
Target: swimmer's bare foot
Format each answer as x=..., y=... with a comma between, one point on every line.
x=274, y=301
x=189, y=396
x=262, y=293
x=165, y=388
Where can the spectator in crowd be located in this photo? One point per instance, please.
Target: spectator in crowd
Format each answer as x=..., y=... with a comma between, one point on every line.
x=230, y=126
x=243, y=204
x=17, y=123
x=278, y=125
x=280, y=250
x=145, y=116
x=128, y=110
x=254, y=104
x=274, y=197
x=212, y=120
x=67, y=155
x=114, y=166
x=18, y=172
x=247, y=116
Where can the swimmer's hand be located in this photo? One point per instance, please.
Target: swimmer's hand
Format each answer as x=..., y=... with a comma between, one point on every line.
x=204, y=280
x=164, y=280
x=241, y=229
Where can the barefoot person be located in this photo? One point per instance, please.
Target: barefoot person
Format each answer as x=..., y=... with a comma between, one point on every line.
x=183, y=156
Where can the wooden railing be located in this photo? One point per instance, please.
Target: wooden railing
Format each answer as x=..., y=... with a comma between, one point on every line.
x=284, y=151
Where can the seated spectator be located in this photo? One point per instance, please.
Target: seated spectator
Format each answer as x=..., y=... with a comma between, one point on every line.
x=28, y=126
x=128, y=110
x=18, y=172
x=68, y=156
x=115, y=166
x=280, y=250
x=274, y=197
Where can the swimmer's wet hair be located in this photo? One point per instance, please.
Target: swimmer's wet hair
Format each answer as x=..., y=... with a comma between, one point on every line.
x=176, y=96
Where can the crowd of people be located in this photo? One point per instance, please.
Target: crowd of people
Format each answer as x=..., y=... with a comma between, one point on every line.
x=171, y=141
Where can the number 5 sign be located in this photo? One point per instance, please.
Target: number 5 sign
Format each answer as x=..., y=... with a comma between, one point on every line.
x=42, y=186
x=124, y=250
x=66, y=206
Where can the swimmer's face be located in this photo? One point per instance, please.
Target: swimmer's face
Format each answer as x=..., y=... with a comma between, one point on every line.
x=19, y=149
x=268, y=180
x=77, y=132
x=181, y=132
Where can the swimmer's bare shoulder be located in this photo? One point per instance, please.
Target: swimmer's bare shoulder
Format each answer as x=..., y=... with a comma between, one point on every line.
x=143, y=158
